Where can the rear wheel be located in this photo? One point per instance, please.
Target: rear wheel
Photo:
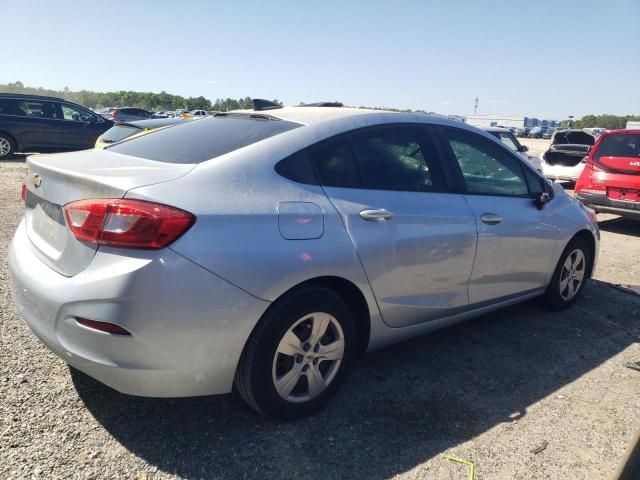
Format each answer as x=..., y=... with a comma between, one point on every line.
x=298, y=355
x=569, y=277
x=7, y=146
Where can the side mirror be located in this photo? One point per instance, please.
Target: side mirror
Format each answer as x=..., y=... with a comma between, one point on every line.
x=524, y=148
x=542, y=199
x=91, y=120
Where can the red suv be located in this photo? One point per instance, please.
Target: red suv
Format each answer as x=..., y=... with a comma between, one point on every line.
x=610, y=181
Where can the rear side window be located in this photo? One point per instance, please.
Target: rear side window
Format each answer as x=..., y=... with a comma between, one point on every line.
x=620, y=145
x=196, y=142
x=336, y=165
x=119, y=132
x=6, y=106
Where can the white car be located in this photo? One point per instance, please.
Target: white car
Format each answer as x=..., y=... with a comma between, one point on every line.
x=507, y=137
x=566, y=156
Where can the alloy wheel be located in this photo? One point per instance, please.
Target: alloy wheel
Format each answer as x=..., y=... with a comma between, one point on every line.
x=5, y=147
x=308, y=357
x=572, y=274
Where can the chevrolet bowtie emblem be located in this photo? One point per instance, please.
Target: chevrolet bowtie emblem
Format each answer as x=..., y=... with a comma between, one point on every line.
x=36, y=181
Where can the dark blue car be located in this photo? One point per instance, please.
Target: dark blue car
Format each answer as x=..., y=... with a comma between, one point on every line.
x=33, y=123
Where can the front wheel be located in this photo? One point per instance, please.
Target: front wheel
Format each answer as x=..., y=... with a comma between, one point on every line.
x=569, y=277
x=298, y=355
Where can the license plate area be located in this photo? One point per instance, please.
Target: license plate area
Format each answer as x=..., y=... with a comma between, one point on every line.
x=623, y=194
x=47, y=221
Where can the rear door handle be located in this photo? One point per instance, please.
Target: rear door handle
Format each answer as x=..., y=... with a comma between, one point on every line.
x=376, y=215
x=490, y=218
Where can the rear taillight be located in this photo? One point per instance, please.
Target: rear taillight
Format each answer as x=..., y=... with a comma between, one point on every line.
x=23, y=190
x=126, y=223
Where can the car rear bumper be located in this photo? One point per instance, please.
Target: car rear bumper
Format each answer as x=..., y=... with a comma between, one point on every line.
x=188, y=327
x=561, y=172
x=599, y=202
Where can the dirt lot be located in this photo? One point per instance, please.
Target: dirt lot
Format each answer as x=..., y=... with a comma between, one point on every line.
x=492, y=391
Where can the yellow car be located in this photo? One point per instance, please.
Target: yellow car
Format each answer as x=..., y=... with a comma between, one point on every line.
x=122, y=130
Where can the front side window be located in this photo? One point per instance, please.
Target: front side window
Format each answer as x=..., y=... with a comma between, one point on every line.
x=486, y=168
x=509, y=141
x=69, y=112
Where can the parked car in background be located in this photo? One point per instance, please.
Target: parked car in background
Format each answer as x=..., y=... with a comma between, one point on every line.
x=198, y=113
x=548, y=133
x=522, y=132
x=34, y=123
x=122, y=130
x=610, y=181
x=536, y=132
x=508, y=138
x=269, y=249
x=126, y=114
x=564, y=160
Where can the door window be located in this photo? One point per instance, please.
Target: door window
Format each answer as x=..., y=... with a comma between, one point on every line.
x=509, y=141
x=398, y=158
x=386, y=158
x=34, y=108
x=75, y=114
x=486, y=168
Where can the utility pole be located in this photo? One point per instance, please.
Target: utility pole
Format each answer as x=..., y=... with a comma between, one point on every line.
x=475, y=106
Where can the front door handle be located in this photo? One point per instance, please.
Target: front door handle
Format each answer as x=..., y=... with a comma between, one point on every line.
x=490, y=218
x=376, y=215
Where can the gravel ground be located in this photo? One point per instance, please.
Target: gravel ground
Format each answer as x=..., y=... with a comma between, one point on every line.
x=492, y=391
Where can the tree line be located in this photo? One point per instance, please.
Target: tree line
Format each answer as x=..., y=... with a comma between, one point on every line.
x=162, y=101
x=610, y=122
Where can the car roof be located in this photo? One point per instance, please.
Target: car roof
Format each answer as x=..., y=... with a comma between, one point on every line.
x=25, y=95
x=315, y=115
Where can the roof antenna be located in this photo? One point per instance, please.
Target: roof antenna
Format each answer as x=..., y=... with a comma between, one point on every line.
x=261, y=104
x=475, y=106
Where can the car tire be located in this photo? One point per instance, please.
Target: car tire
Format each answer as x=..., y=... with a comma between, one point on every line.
x=293, y=364
x=7, y=146
x=569, y=277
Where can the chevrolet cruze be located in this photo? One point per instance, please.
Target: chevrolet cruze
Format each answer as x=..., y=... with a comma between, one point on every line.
x=267, y=249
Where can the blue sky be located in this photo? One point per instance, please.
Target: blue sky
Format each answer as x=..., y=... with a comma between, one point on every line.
x=539, y=58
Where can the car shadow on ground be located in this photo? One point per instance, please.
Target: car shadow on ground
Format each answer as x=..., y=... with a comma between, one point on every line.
x=623, y=226
x=398, y=408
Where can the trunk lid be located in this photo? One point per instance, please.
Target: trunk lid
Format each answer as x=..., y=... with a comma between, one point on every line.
x=54, y=180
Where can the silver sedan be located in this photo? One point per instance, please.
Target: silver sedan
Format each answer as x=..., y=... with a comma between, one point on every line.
x=269, y=248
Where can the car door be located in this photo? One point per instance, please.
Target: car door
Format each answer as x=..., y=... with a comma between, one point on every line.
x=416, y=241
x=80, y=127
x=36, y=125
x=516, y=240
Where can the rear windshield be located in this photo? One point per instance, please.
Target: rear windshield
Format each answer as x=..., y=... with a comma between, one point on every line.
x=619, y=145
x=117, y=133
x=201, y=140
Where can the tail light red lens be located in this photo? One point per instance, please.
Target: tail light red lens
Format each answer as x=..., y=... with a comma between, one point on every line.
x=23, y=190
x=127, y=223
